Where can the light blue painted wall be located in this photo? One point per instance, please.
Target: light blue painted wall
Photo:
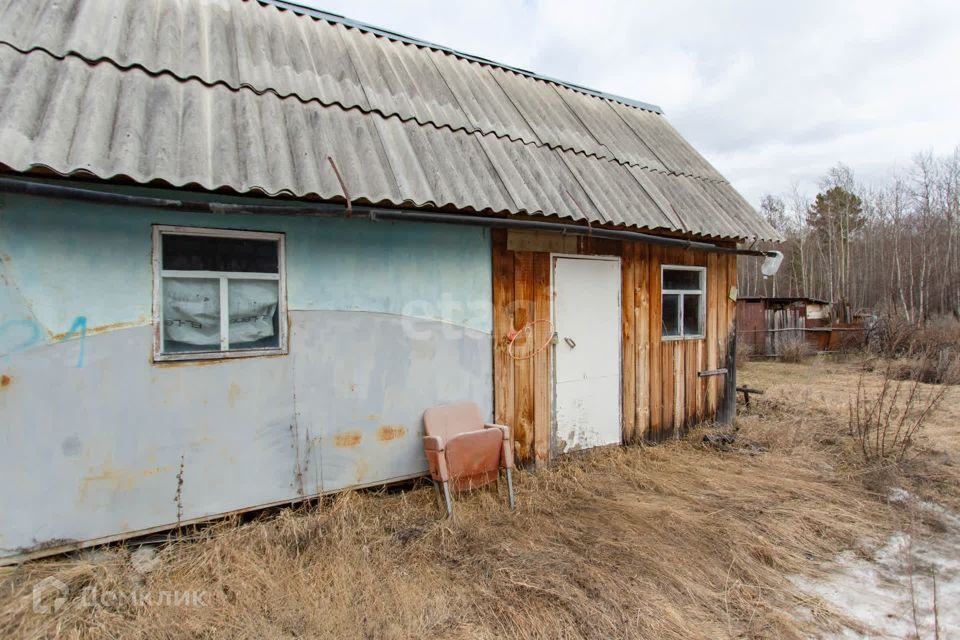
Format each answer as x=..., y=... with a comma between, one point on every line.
x=97, y=441
x=18, y=327
x=122, y=445
x=70, y=259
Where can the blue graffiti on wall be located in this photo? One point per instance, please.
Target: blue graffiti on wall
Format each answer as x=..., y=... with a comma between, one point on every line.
x=33, y=334
x=11, y=327
x=79, y=324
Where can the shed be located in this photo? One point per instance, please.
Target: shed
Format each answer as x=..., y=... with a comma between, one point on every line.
x=245, y=244
x=764, y=322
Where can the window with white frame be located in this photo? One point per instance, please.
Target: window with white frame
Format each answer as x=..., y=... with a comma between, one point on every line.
x=683, y=292
x=218, y=293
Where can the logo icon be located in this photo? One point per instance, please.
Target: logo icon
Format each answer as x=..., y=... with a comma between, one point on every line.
x=45, y=588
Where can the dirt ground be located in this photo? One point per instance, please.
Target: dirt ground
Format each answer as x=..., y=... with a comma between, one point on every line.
x=772, y=536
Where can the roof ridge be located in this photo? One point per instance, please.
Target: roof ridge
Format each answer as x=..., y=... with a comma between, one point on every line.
x=335, y=18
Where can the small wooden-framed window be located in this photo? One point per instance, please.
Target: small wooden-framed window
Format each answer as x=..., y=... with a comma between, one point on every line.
x=218, y=293
x=683, y=295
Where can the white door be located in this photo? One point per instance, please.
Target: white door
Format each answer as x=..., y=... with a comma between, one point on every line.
x=586, y=315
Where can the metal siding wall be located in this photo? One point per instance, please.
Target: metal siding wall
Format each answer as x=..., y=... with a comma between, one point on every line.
x=95, y=451
x=18, y=327
x=751, y=325
x=363, y=381
x=386, y=319
x=74, y=258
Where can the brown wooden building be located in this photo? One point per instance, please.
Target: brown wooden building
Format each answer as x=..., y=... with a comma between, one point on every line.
x=666, y=384
x=765, y=323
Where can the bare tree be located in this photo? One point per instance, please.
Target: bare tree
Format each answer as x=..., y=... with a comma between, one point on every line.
x=895, y=246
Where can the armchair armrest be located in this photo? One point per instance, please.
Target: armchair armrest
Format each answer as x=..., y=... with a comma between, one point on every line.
x=436, y=458
x=506, y=449
x=432, y=443
x=505, y=429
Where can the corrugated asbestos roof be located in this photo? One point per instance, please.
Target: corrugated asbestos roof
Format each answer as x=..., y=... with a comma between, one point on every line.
x=232, y=93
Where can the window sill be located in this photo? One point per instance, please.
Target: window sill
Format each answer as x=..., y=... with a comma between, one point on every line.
x=215, y=356
x=681, y=338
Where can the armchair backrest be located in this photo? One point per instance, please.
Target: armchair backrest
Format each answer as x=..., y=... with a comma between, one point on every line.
x=449, y=420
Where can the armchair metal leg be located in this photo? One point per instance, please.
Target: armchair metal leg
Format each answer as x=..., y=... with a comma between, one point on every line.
x=510, y=487
x=446, y=498
x=436, y=490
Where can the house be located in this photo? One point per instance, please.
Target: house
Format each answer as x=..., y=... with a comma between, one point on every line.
x=245, y=244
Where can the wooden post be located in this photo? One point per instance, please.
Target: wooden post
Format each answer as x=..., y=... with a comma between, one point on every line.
x=728, y=412
x=713, y=287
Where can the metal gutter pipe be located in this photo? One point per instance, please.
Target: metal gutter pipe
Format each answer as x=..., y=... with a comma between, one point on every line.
x=326, y=210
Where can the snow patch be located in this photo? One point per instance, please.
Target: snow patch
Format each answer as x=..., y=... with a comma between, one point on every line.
x=892, y=593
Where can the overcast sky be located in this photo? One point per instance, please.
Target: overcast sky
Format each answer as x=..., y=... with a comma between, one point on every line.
x=772, y=93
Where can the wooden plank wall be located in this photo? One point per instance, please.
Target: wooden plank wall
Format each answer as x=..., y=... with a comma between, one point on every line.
x=662, y=395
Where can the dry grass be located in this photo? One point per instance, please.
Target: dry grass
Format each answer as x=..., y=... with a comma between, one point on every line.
x=940, y=367
x=743, y=354
x=938, y=334
x=886, y=423
x=930, y=353
x=669, y=542
x=811, y=402
x=675, y=541
x=792, y=348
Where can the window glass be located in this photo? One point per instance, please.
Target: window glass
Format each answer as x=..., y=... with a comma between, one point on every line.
x=681, y=279
x=682, y=296
x=219, y=293
x=210, y=253
x=191, y=314
x=671, y=314
x=692, y=319
x=253, y=314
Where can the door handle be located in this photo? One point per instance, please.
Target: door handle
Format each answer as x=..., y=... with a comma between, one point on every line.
x=570, y=343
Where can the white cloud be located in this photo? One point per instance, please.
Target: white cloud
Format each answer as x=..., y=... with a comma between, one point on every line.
x=771, y=93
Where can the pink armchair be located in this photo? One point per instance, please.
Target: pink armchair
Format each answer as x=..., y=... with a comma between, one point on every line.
x=464, y=450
